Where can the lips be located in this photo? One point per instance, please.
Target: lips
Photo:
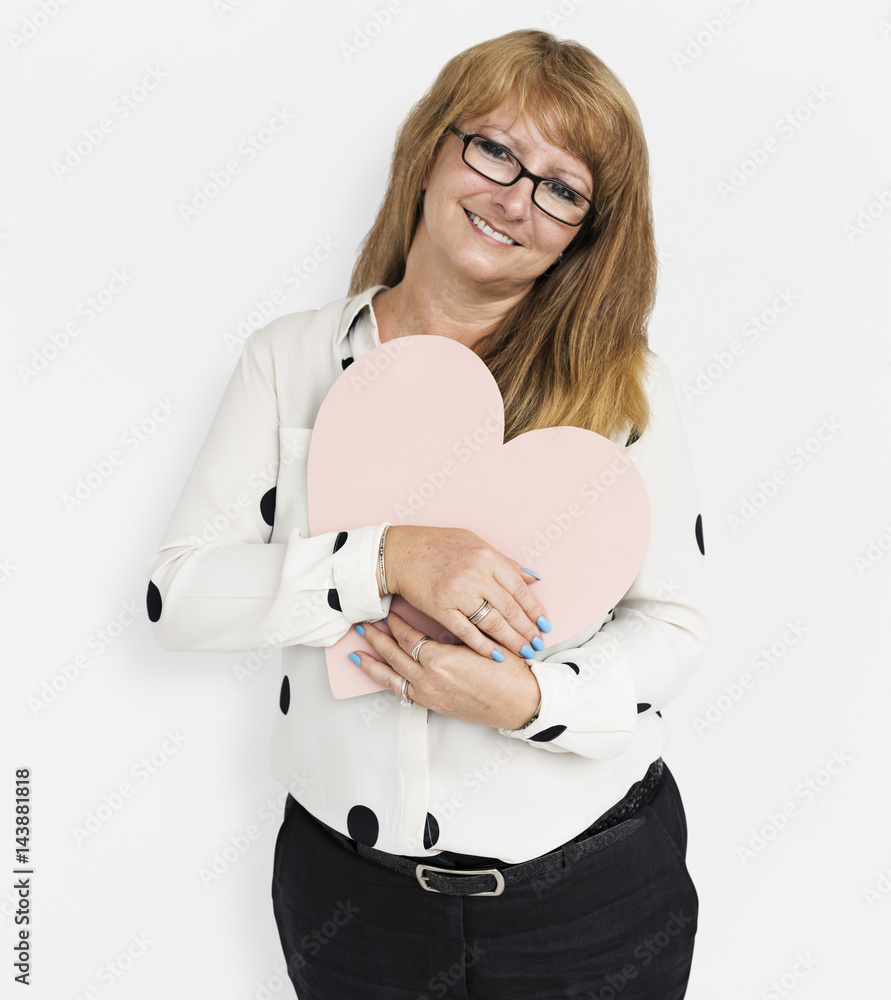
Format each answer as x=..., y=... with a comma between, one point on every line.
x=480, y=223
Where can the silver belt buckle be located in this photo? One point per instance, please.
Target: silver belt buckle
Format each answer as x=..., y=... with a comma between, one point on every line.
x=499, y=878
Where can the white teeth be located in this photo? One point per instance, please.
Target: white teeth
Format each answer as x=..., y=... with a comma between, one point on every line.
x=481, y=224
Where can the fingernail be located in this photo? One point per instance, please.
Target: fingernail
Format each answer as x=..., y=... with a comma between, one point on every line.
x=527, y=650
x=498, y=655
x=360, y=630
x=355, y=659
x=526, y=570
x=537, y=643
x=543, y=624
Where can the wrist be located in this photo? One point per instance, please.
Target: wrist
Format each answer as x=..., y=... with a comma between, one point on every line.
x=384, y=583
x=391, y=543
x=535, y=714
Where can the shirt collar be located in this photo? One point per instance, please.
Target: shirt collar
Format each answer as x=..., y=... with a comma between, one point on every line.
x=354, y=306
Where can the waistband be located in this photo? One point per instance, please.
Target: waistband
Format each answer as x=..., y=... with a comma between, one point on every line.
x=489, y=879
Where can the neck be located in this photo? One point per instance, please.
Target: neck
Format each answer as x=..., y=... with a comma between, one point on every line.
x=435, y=304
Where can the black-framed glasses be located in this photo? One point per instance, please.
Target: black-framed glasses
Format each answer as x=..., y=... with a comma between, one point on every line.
x=492, y=161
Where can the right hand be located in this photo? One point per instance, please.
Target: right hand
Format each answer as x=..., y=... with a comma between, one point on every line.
x=447, y=573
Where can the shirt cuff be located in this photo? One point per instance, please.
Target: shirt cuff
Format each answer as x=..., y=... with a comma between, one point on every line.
x=355, y=574
x=600, y=725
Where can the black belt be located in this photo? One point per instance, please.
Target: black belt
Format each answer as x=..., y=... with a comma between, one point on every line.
x=614, y=825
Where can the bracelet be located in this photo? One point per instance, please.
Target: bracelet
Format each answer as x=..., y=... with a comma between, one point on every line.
x=534, y=717
x=380, y=553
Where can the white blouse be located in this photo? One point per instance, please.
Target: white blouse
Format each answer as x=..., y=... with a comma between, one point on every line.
x=237, y=570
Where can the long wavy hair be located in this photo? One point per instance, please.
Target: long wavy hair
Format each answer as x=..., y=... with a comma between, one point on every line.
x=573, y=351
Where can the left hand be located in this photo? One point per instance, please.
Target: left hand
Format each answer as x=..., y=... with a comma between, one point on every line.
x=450, y=679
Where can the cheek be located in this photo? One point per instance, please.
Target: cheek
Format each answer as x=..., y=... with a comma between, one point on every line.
x=553, y=240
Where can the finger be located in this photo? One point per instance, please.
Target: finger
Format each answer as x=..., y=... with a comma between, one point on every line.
x=508, y=624
x=497, y=638
x=403, y=632
x=390, y=650
x=525, y=598
x=382, y=673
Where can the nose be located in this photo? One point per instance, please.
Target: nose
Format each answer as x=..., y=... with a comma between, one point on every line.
x=515, y=200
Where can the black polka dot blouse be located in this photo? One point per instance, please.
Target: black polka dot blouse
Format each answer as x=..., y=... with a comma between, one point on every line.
x=237, y=570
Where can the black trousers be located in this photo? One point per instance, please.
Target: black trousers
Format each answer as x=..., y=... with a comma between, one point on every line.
x=618, y=923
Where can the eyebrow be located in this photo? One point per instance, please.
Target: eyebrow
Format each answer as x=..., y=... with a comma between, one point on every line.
x=523, y=150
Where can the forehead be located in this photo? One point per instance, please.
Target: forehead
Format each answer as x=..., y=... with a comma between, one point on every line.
x=527, y=130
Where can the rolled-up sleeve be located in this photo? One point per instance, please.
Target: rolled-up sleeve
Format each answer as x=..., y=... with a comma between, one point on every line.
x=640, y=658
x=217, y=582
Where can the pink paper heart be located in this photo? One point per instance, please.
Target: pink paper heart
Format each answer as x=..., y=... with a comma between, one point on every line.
x=413, y=433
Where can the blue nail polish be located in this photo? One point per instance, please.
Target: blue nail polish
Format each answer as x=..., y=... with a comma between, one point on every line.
x=498, y=655
x=526, y=570
x=355, y=659
x=543, y=624
x=537, y=643
x=360, y=630
x=527, y=651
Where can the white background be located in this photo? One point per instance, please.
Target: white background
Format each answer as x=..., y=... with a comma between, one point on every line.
x=809, y=220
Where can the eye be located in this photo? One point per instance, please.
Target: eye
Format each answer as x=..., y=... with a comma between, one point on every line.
x=563, y=193
x=492, y=151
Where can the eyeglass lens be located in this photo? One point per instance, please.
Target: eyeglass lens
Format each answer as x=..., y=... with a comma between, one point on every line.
x=498, y=164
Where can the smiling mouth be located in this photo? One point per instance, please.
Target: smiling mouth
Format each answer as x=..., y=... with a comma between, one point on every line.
x=484, y=226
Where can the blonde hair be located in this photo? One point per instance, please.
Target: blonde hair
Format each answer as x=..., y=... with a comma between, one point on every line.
x=574, y=350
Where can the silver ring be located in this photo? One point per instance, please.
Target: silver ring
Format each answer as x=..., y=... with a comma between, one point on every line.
x=405, y=698
x=416, y=652
x=480, y=614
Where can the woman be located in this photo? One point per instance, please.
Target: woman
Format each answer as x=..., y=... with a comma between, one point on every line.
x=499, y=823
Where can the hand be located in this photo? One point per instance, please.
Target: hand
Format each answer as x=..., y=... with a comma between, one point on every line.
x=452, y=680
x=447, y=573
